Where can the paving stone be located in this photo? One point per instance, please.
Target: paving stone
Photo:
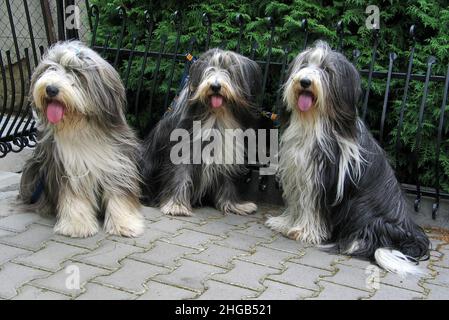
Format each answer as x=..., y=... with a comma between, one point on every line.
x=332, y=291
x=163, y=254
x=300, y=276
x=317, y=258
x=354, y=262
x=47, y=220
x=13, y=276
x=247, y=275
x=280, y=291
x=201, y=215
x=409, y=283
x=437, y=292
x=284, y=244
x=144, y=241
x=151, y=213
x=215, y=227
x=190, y=275
x=131, y=276
x=108, y=255
x=90, y=243
x=98, y=292
x=18, y=222
x=33, y=238
x=257, y=229
x=192, y=239
x=8, y=203
x=8, y=179
x=352, y=277
x=386, y=292
x=217, y=255
x=444, y=261
x=223, y=291
x=51, y=257
x=7, y=253
x=170, y=225
x=268, y=257
x=237, y=220
x=61, y=281
x=28, y=292
x=160, y=291
x=5, y=233
x=441, y=278
x=240, y=241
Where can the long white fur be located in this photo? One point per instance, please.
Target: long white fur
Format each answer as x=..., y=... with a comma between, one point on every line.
x=396, y=262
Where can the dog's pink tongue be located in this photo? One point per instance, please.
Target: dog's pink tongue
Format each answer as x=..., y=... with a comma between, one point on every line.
x=55, y=112
x=216, y=101
x=305, y=101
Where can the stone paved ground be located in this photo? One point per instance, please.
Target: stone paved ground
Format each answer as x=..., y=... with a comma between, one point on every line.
x=208, y=256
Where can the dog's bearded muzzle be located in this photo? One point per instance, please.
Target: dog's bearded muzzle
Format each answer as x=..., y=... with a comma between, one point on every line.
x=305, y=93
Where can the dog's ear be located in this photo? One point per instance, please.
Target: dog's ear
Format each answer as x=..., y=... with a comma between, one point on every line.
x=110, y=92
x=345, y=92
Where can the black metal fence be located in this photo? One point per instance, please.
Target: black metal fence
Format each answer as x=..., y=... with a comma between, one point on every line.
x=146, y=97
x=27, y=28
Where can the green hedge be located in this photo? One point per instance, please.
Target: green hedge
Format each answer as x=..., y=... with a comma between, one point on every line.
x=431, y=18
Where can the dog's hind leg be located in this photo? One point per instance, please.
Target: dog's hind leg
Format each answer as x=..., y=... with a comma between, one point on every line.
x=76, y=215
x=122, y=215
x=227, y=201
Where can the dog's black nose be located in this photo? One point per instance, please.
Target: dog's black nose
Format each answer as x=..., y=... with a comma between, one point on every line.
x=52, y=91
x=215, y=87
x=305, y=82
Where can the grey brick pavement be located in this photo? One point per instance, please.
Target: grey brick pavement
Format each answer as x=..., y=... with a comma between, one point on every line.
x=207, y=256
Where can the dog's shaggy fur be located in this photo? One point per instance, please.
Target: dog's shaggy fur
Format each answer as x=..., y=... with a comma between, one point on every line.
x=337, y=182
x=221, y=92
x=85, y=162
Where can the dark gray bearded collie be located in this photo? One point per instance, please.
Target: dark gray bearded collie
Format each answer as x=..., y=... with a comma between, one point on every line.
x=85, y=161
x=337, y=182
x=221, y=94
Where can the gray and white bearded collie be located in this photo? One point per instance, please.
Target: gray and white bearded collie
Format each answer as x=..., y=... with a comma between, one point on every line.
x=338, y=185
x=220, y=95
x=85, y=162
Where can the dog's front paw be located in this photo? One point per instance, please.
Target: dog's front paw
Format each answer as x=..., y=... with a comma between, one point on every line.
x=76, y=229
x=242, y=209
x=280, y=224
x=128, y=226
x=176, y=209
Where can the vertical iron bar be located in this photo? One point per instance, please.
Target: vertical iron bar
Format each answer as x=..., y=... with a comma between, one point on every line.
x=156, y=71
x=430, y=61
x=240, y=22
x=370, y=74
x=392, y=57
x=207, y=23
x=13, y=92
x=17, y=51
x=267, y=62
x=404, y=97
x=149, y=30
x=60, y=12
x=130, y=60
x=177, y=17
x=340, y=34
x=436, y=204
x=281, y=79
x=30, y=31
x=305, y=28
x=94, y=12
x=122, y=14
